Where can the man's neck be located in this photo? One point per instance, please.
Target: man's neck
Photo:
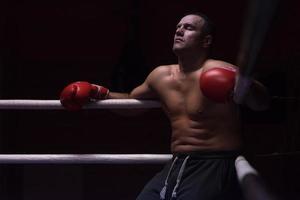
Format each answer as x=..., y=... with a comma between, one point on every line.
x=191, y=63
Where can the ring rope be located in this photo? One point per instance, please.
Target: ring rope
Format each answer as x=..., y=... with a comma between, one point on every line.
x=243, y=168
x=27, y=104
x=251, y=183
x=241, y=164
x=84, y=158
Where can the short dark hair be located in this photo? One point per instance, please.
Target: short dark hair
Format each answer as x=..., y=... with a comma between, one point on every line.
x=208, y=26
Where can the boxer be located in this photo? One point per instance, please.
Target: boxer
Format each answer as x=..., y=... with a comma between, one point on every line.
x=197, y=96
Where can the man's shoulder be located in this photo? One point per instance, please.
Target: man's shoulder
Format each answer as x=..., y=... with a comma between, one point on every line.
x=211, y=63
x=164, y=69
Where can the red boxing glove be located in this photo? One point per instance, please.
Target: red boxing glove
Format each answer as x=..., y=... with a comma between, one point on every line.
x=77, y=94
x=217, y=84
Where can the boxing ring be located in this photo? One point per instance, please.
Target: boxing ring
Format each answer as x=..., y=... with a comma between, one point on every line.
x=256, y=24
x=248, y=177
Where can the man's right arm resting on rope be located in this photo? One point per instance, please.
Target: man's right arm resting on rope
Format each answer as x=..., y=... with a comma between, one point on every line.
x=79, y=93
x=143, y=91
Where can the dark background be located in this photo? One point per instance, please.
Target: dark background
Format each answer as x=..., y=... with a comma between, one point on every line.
x=47, y=44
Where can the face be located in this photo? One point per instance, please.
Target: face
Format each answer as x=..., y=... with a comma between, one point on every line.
x=188, y=34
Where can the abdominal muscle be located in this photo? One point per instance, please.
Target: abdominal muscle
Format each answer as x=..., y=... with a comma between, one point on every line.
x=204, y=134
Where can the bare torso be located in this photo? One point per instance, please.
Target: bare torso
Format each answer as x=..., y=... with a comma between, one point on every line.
x=197, y=123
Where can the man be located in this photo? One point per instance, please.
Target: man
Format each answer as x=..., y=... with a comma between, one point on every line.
x=196, y=95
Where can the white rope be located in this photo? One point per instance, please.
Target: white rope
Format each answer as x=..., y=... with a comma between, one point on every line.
x=55, y=104
x=84, y=158
x=243, y=168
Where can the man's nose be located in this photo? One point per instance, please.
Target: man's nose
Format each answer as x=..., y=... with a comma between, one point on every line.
x=179, y=31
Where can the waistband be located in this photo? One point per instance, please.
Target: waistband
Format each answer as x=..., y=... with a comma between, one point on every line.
x=208, y=154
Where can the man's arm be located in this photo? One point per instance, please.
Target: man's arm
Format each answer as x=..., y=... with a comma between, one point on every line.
x=220, y=78
x=143, y=91
x=257, y=97
x=251, y=93
x=117, y=95
x=79, y=93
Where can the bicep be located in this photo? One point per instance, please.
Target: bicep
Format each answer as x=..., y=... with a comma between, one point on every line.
x=148, y=90
x=143, y=91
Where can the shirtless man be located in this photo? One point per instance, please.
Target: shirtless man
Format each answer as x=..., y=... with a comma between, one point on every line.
x=205, y=127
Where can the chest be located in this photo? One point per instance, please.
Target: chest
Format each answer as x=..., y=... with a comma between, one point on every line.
x=181, y=95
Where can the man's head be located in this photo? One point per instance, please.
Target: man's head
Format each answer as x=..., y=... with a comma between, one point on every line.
x=194, y=33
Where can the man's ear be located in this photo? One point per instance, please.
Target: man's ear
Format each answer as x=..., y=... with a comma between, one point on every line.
x=207, y=41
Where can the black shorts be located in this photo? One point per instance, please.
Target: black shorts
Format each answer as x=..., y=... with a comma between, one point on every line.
x=197, y=175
